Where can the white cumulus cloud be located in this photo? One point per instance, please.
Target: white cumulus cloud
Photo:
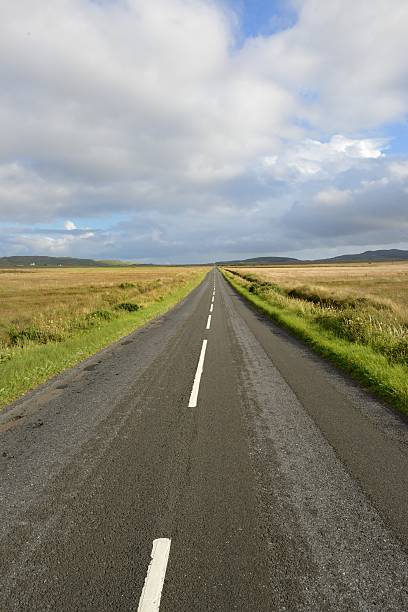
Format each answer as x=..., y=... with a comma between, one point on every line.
x=69, y=225
x=314, y=159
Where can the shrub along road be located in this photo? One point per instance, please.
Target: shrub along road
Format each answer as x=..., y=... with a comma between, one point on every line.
x=262, y=478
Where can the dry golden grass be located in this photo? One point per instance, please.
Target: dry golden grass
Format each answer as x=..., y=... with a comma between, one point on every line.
x=53, y=318
x=381, y=281
x=355, y=315
x=367, y=303
x=51, y=299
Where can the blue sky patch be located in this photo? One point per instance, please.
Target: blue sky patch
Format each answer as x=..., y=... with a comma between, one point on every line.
x=264, y=17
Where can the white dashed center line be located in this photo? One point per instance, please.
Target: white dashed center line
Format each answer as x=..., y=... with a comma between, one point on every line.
x=196, y=385
x=156, y=572
x=208, y=322
x=211, y=307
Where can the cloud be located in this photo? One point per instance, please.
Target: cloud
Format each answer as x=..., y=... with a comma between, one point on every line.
x=399, y=170
x=374, y=212
x=157, y=122
x=346, y=60
x=333, y=196
x=69, y=225
x=49, y=242
x=312, y=159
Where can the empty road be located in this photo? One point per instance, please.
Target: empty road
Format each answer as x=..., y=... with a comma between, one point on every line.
x=257, y=476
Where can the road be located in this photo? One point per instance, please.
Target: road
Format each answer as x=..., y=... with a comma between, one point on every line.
x=265, y=478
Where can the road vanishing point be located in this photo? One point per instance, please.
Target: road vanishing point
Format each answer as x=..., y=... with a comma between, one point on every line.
x=207, y=462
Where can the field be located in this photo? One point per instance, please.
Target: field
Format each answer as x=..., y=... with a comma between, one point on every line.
x=382, y=280
x=355, y=314
x=51, y=318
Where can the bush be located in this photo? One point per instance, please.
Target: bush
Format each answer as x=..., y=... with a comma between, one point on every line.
x=128, y=306
x=31, y=334
x=385, y=335
x=127, y=285
x=5, y=356
x=261, y=287
x=104, y=315
x=398, y=352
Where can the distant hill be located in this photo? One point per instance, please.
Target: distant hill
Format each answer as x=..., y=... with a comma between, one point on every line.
x=41, y=261
x=367, y=256
x=114, y=262
x=385, y=255
x=260, y=261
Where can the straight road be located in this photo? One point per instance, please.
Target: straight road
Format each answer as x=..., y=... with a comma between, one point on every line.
x=207, y=462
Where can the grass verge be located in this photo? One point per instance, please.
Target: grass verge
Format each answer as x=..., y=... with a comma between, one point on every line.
x=369, y=367
x=32, y=364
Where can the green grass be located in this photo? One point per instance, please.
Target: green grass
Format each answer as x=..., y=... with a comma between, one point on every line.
x=385, y=375
x=30, y=364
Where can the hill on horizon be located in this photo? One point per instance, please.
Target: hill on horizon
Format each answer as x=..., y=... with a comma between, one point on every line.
x=379, y=255
x=367, y=256
x=43, y=261
x=261, y=260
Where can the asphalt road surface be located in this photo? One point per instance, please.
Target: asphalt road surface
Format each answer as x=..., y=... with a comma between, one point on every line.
x=256, y=475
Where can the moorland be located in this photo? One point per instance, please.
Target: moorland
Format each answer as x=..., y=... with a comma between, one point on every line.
x=355, y=314
x=52, y=318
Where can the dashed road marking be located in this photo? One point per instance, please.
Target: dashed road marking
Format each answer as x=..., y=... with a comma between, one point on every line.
x=208, y=322
x=156, y=572
x=211, y=307
x=196, y=385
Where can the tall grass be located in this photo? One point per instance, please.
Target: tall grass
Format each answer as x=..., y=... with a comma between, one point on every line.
x=50, y=305
x=38, y=342
x=366, y=335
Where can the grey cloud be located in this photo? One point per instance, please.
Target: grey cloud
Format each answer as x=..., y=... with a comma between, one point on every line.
x=379, y=214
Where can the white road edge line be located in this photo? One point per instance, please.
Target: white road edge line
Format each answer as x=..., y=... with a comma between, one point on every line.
x=208, y=322
x=156, y=572
x=196, y=385
x=211, y=307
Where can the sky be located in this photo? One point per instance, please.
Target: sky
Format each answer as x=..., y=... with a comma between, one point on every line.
x=175, y=131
